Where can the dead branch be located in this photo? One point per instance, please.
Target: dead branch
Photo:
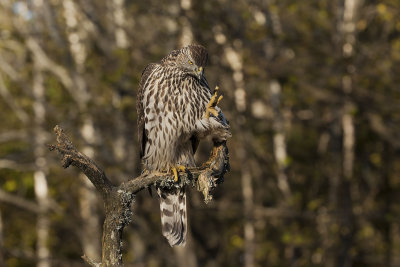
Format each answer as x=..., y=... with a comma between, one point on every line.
x=19, y=201
x=378, y=126
x=71, y=156
x=13, y=135
x=4, y=93
x=118, y=199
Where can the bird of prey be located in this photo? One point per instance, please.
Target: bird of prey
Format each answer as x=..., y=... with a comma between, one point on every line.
x=176, y=108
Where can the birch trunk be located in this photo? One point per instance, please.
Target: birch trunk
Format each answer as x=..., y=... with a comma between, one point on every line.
x=90, y=235
x=279, y=139
x=279, y=121
x=235, y=60
x=40, y=179
x=347, y=190
x=88, y=201
x=119, y=21
x=348, y=33
x=186, y=36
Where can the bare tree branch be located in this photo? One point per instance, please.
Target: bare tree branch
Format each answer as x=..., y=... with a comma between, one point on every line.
x=19, y=201
x=71, y=156
x=12, y=135
x=7, y=69
x=26, y=204
x=11, y=164
x=59, y=71
x=378, y=126
x=4, y=93
x=118, y=199
x=49, y=64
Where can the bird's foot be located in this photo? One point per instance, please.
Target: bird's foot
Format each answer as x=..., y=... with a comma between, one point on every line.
x=214, y=101
x=175, y=171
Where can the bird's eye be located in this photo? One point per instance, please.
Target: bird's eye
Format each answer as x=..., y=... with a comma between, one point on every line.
x=190, y=62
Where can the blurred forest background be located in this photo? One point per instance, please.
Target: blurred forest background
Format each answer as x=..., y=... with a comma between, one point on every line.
x=312, y=92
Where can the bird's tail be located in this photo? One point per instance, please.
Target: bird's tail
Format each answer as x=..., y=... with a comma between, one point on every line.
x=173, y=215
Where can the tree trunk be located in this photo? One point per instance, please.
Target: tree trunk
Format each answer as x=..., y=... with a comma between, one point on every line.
x=186, y=36
x=347, y=188
x=234, y=57
x=90, y=235
x=118, y=199
x=88, y=200
x=279, y=139
x=119, y=21
x=40, y=180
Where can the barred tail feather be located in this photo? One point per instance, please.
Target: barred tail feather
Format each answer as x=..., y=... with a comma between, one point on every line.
x=173, y=215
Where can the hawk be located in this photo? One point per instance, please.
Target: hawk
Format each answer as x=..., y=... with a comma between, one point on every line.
x=175, y=110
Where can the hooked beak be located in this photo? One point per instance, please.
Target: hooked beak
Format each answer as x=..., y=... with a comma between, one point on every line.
x=204, y=81
x=199, y=73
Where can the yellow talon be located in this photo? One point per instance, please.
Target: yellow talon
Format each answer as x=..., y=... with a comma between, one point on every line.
x=175, y=174
x=219, y=99
x=181, y=168
x=175, y=171
x=211, y=110
x=213, y=103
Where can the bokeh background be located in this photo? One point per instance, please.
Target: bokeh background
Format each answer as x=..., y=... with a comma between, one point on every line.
x=312, y=93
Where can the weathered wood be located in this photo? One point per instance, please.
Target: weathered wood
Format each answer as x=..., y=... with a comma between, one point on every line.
x=118, y=199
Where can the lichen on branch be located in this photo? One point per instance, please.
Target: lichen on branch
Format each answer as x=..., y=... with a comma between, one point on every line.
x=118, y=198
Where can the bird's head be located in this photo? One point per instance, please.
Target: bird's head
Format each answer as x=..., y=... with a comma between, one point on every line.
x=192, y=59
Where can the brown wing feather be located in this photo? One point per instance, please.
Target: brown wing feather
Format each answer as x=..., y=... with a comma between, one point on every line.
x=139, y=107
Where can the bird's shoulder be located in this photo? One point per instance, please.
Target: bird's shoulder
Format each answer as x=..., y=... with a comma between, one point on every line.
x=148, y=71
